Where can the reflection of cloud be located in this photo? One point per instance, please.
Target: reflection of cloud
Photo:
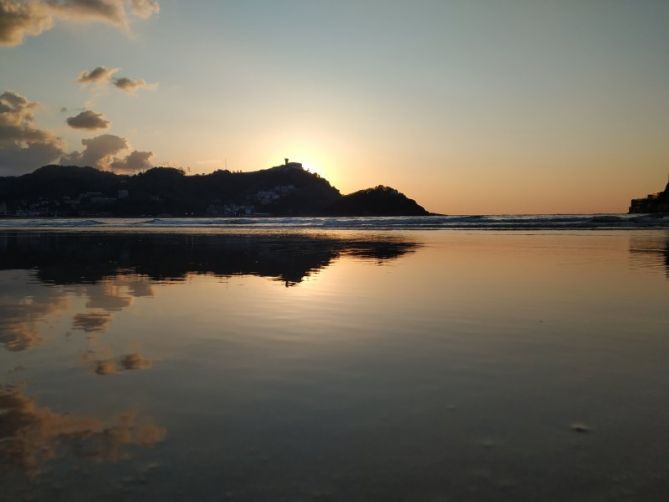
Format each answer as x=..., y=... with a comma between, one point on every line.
x=20, y=18
x=23, y=306
x=105, y=367
x=130, y=362
x=107, y=296
x=140, y=287
x=92, y=322
x=31, y=435
x=135, y=362
x=116, y=293
x=15, y=333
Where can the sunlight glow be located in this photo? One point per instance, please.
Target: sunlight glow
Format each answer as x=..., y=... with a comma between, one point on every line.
x=310, y=149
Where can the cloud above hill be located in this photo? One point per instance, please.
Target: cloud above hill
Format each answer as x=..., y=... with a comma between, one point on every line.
x=99, y=151
x=104, y=11
x=88, y=120
x=133, y=162
x=21, y=18
x=103, y=75
x=108, y=152
x=99, y=75
x=23, y=145
x=131, y=86
x=144, y=9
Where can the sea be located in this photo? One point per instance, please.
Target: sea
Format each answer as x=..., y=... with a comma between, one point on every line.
x=443, y=358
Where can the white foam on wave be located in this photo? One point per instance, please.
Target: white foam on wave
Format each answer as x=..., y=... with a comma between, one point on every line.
x=49, y=222
x=483, y=222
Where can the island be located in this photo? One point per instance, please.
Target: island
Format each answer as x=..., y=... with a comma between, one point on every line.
x=284, y=190
x=652, y=203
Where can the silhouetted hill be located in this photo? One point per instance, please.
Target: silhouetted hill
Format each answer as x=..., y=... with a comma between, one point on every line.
x=653, y=203
x=286, y=190
x=378, y=201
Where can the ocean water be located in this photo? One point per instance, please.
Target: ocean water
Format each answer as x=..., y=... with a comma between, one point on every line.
x=334, y=359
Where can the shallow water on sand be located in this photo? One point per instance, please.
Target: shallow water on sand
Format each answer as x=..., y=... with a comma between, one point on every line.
x=334, y=365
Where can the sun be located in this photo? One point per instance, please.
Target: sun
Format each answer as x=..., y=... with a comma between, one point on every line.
x=306, y=147
x=312, y=167
x=310, y=162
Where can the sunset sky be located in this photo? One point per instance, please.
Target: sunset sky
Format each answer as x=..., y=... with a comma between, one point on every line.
x=485, y=106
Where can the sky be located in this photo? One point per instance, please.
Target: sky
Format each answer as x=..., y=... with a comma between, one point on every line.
x=469, y=107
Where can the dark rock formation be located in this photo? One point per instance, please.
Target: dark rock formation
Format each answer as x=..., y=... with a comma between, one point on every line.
x=653, y=203
x=379, y=201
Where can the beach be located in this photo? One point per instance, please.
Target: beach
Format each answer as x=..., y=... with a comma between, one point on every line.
x=311, y=363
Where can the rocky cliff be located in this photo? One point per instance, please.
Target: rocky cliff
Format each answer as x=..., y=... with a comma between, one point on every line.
x=653, y=203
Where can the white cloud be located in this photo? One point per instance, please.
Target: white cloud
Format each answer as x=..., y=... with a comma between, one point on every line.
x=88, y=120
x=104, y=11
x=131, y=86
x=99, y=151
x=24, y=146
x=135, y=161
x=21, y=18
x=144, y=8
x=108, y=152
x=103, y=75
x=99, y=75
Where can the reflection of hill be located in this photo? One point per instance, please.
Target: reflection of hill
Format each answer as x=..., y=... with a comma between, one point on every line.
x=651, y=251
x=61, y=258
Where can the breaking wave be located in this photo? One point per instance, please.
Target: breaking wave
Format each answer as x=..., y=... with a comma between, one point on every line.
x=483, y=222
